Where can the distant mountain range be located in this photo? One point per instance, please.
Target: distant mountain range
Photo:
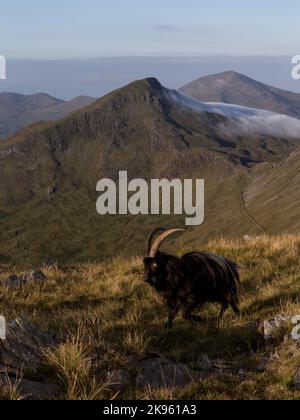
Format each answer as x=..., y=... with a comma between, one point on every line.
x=49, y=171
x=18, y=111
x=234, y=88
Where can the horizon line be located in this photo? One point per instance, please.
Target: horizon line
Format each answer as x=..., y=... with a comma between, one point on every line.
x=149, y=56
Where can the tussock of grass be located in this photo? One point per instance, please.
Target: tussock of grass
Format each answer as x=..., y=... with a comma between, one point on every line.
x=109, y=303
x=73, y=365
x=10, y=389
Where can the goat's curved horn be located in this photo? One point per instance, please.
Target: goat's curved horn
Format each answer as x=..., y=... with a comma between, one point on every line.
x=160, y=239
x=150, y=238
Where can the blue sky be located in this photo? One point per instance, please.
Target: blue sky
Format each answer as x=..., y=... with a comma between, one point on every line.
x=96, y=46
x=95, y=28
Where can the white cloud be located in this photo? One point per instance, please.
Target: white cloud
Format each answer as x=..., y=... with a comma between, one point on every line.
x=245, y=120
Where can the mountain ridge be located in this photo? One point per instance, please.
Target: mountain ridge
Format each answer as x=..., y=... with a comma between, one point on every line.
x=236, y=88
x=18, y=110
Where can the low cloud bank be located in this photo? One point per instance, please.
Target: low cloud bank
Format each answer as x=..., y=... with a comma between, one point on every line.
x=243, y=120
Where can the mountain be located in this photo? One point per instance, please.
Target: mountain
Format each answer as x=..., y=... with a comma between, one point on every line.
x=17, y=111
x=234, y=88
x=49, y=170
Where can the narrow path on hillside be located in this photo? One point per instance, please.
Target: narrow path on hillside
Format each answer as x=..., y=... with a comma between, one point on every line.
x=255, y=222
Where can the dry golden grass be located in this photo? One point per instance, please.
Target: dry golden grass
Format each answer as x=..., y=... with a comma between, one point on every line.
x=10, y=389
x=72, y=363
x=100, y=303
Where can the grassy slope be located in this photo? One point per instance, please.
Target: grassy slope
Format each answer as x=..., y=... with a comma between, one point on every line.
x=274, y=196
x=108, y=302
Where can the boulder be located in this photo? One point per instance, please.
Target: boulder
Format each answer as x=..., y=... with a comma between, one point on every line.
x=35, y=276
x=24, y=346
x=270, y=326
x=14, y=281
x=32, y=277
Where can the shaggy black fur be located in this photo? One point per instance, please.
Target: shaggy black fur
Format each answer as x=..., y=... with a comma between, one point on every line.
x=193, y=280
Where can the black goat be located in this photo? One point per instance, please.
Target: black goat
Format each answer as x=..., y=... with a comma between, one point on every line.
x=191, y=281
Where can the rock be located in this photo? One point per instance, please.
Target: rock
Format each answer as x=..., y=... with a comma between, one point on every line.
x=30, y=390
x=39, y=391
x=14, y=281
x=295, y=320
x=297, y=381
x=119, y=380
x=204, y=363
x=272, y=325
x=247, y=238
x=34, y=276
x=163, y=373
x=24, y=347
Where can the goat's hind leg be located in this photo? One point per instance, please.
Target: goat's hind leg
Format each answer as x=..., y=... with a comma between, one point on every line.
x=224, y=308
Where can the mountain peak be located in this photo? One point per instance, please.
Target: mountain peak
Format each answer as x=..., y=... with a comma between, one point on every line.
x=149, y=84
x=235, y=88
x=142, y=89
x=231, y=75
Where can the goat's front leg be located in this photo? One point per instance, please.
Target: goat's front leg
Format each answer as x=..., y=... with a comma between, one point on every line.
x=173, y=311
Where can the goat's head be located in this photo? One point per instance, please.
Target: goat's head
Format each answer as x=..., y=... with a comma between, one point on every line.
x=155, y=267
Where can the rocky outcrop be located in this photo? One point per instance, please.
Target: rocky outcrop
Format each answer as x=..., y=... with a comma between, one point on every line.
x=21, y=353
x=24, y=346
x=32, y=277
x=272, y=325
